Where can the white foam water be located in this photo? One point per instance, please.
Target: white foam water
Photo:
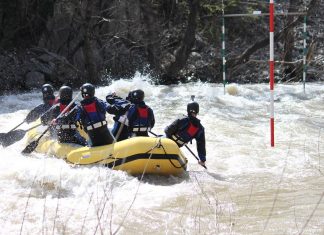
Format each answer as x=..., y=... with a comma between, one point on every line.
x=249, y=187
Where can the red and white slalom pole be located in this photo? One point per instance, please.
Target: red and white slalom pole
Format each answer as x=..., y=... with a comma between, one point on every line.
x=271, y=68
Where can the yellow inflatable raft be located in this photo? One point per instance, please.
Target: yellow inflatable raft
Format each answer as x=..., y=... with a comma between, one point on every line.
x=149, y=155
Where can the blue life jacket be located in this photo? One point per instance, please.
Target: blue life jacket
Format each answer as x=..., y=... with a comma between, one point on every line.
x=142, y=120
x=92, y=113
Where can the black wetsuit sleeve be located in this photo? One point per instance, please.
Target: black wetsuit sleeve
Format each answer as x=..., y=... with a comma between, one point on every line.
x=119, y=107
x=173, y=128
x=111, y=99
x=115, y=110
x=50, y=115
x=35, y=113
x=201, y=145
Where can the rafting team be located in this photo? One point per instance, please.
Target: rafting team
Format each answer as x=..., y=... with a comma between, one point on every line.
x=131, y=115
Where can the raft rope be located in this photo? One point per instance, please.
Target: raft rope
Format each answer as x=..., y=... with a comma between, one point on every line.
x=177, y=167
x=116, y=158
x=27, y=202
x=140, y=181
x=158, y=145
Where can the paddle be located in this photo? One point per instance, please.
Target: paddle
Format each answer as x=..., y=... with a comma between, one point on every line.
x=4, y=136
x=33, y=145
x=13, y=136
x=121, y=127
x=193, y=154
x=9, y=138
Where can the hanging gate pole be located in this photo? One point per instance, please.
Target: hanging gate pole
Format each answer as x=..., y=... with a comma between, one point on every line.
x=223, y=48
x=271, y=70
x=223, y=54
x=305, y=52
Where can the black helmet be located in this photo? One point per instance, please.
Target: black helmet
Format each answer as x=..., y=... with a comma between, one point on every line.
x=47, y=89
x=65, y=94
x=137, y=96
x=48, y=92
x=193, y=107
x=87, y=90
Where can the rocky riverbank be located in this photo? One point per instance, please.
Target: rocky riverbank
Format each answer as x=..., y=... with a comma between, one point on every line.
x=174, y=41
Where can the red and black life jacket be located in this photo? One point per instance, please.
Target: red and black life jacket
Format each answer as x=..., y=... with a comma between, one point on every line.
x=63, y=106
x=185, y=134
x=67, y=123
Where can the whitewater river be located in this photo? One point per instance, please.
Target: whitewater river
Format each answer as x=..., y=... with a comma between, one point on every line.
x=249, y=187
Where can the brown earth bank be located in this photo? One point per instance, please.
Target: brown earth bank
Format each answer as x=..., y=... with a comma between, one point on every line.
x=72, y=42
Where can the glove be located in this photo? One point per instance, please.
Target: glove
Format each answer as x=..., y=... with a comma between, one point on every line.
x=54, y=122
x=111, y=98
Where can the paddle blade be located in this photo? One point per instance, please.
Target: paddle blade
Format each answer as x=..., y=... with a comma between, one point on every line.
x=9, y=138
x=33, y=145
x=30, y=147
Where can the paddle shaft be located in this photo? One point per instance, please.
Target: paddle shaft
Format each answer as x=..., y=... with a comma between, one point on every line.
x=153, y=133
x=68, y=106
x=12, y=133
x=33, y=127
x=121, y=128
x=193, y=154
x=23, y=123
x=16, y=126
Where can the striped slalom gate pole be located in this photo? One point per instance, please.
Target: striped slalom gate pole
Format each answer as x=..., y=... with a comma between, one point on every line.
x=223, y=48
x=272, y=14
x=271, y=69
x=305, y=53
x=223, y=53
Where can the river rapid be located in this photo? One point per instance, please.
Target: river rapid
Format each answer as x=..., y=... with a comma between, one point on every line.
x=249, y=187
